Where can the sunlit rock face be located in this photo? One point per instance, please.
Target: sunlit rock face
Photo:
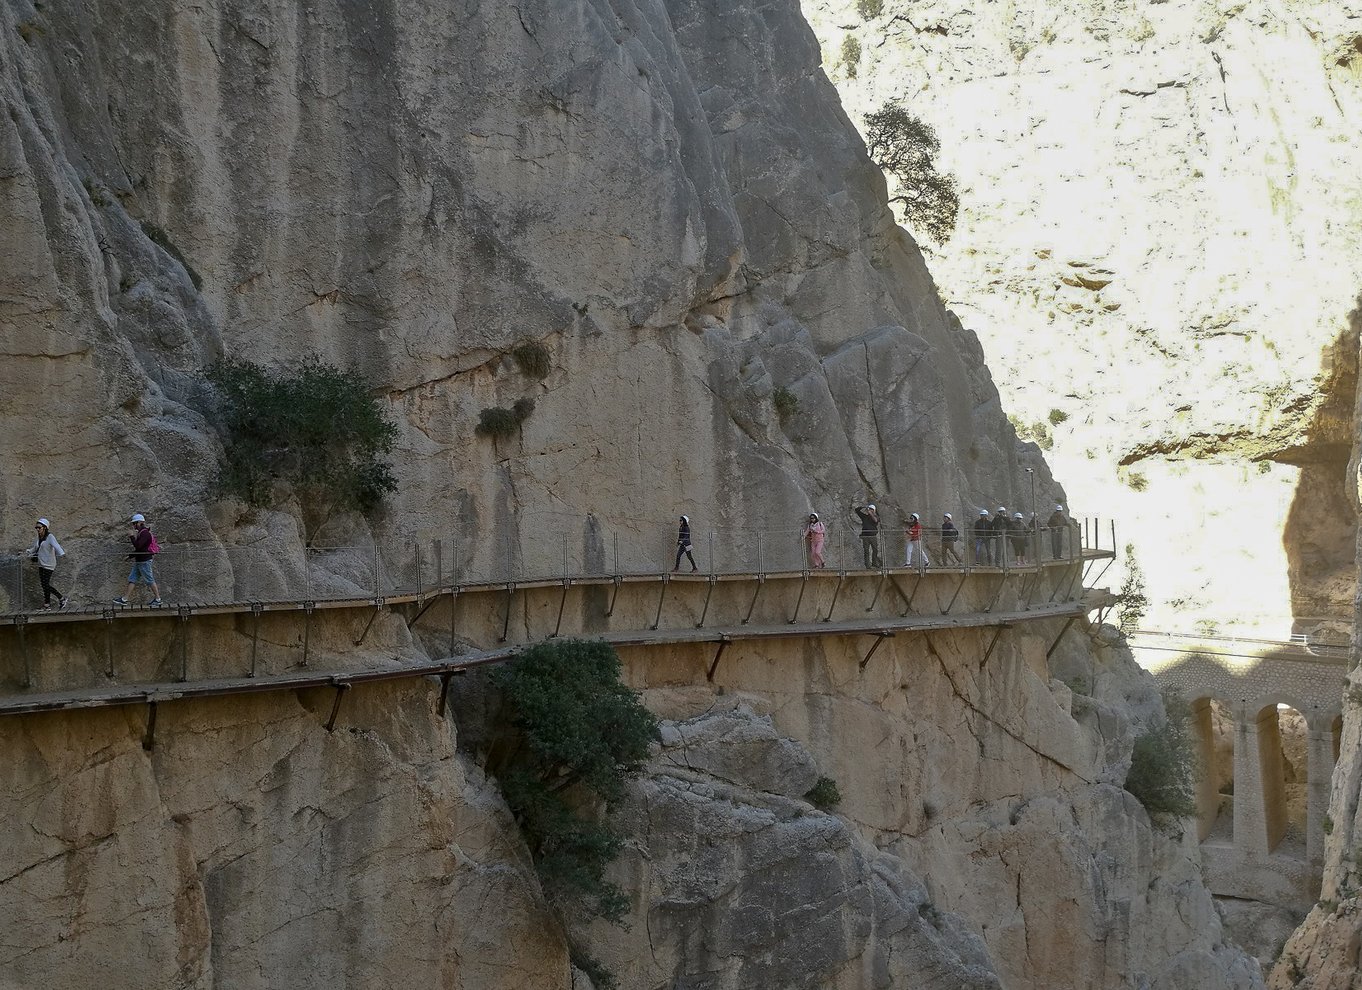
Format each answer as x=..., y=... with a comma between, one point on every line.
x=1160, y=245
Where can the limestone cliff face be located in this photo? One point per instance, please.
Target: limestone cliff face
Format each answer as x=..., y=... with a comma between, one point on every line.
x=669, y=196
x=1160, y=244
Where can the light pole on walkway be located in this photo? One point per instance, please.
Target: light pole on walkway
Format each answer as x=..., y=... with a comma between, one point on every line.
x=1035, y=519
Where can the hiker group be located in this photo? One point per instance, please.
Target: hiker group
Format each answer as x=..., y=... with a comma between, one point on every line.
x=45, y=551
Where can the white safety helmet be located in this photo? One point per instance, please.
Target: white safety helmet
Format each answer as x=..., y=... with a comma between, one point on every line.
x=44, y=523
x=913, y=515
x=948, y=515
x=1058, y=507
x=1016, y=515
x=983, y=512
x=684, y=519
x=138, y=517
x=813, y=516
x=1002, y=508
x=871, y=506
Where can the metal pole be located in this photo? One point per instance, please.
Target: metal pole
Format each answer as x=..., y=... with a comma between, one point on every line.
x=374, y=541
x=712, y=568
x=760, y=568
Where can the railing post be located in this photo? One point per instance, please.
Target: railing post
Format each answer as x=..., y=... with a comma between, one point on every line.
x=615, y=539
x=760, y=569
x=713, y=569
x=374, y=541
x=420, y=584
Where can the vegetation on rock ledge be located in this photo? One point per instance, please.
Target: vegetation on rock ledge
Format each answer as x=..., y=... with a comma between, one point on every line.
x=906, y=148
x=1162, y=765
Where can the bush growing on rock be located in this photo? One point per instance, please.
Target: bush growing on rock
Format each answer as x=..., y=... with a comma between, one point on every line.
x=786, y=403
x=906, y=148
x=497, y=421
x=1162, y=764
x=824, y=794
x=1134, y=604
x=309, y=431
x=851, y=55
x=869, y=9
x=575, y=734
x=533, y=359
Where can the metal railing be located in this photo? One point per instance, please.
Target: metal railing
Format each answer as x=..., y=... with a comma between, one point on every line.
x=570, y=547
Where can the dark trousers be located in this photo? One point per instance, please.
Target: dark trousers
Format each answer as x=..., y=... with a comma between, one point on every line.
x=948, y=551
x=870, y=550
x=1057, y=542
x=683, y=549
x=45, y=576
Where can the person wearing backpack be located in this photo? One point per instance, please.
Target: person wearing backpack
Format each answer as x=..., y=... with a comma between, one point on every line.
x=45, y=552
x=144, y=547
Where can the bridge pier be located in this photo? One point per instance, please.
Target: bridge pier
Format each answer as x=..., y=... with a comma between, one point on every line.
x=1320, y=758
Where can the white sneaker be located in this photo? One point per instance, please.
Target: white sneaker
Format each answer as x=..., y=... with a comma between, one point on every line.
x=154, y=603
x=120, y=600
x=64, y=602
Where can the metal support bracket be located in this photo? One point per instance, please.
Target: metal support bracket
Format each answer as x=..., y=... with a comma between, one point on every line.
x=149, y=736
x=1063, y=629
x=506, y=622
x=951, y=604
x=908, y=602
x=880, y=637
x=723, y=645
x=183, y=612
x=434, y=597
x=1002, y=583
x=20, y=627
x=841, y=576
x=445, y=678
x=378, y=607
x=615, y=592
x=708, y=594
x=761, y=580
x=562, y=603
x=800, y=600
x=661, y=598
x=341, y=688
x=1059, y=582
x=107, y=615
x=884, y=576
x=993, y=644
x=308, y=609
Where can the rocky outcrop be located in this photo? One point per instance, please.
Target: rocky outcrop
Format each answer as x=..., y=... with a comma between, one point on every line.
x=1159, y=245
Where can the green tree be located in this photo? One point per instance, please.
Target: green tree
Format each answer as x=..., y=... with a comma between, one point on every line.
x=309, y=431
x=906, y=148
x=1162, y=765
x=576, y=734
x=1133, y=603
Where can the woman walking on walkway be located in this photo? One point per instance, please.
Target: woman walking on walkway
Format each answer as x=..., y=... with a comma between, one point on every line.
x=814, y=535
x=45, y=551
x=683, y=546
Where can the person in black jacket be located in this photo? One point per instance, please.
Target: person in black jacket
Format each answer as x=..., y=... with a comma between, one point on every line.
x=870, y=534
x=982, y=531
x=997, y=543
x=683, y=546
x=950, y=536
x=1057, y=524
x=1019, y=534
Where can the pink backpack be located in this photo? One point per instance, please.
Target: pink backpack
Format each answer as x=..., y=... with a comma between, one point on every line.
x=154, y=547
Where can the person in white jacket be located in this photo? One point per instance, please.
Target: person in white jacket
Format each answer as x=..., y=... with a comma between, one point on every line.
x=45, y=551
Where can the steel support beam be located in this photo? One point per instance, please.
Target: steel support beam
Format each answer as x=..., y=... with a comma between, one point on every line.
x=708, y=594
x=951, y=604
x=800, y=600
x=506, y=622
x=183, y=612
x=341, y=688
x=1063, y=629
x=661, y=599
x=378, y=604
x=714, y=665
x=992, y=645
x=149, y=736
x=308, y=608
x=884, y=576
x=256, y=609
x=107, y=616
x=20, y=625
x=761, y=580
x=562, y=603
x=616, y=581
x=880, y=637
x=841, y=576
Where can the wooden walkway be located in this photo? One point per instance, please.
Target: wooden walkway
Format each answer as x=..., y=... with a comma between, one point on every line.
x=719, y=636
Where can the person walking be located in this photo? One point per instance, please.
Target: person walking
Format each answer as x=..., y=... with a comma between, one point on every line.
x=870, y=534
x=1057, y=524
x=983, y=535
x=44, y=553
x=950, y=536
x=684, y=547
x=1019, y=535
x=815, y=533
x=997, y=543
x=912, y=530
x=144, y=547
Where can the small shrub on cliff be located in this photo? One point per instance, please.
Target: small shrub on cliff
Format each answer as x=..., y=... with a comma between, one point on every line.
x=575, y=734
x=906, y=148
x=824, y=794
x=498, y=422
x=533, y=359
x=311, y=431
x=1162, y=765
x=1057, y=416
x=851, y=55
x=869, y=9
x=786, y=403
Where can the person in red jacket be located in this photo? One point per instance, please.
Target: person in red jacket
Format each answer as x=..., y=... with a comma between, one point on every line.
x=143, y=549
x=912, y=529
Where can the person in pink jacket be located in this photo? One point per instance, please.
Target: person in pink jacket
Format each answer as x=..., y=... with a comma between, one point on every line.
x=814, y=535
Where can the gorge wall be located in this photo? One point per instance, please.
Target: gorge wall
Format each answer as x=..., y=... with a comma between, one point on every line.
x=669, y=196
x=1160, y=245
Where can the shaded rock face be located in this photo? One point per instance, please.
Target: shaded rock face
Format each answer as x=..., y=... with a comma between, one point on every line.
x=1160, y=245
x=667, y=195
x=252, y=848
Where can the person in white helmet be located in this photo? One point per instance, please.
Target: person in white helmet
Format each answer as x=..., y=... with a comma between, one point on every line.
x=1057, y=524
x=870, y=534
x=684, y=547
x=45, y=551
x=912, y=531
x=144, y=547
x=815, y=533
x=983, y=537
x=950, y=536
x=1018, y=534
x=997, y=544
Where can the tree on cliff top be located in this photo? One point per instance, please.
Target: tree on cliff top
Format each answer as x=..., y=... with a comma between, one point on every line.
x=311, y=431
x=576, y=734
x=906, y=148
